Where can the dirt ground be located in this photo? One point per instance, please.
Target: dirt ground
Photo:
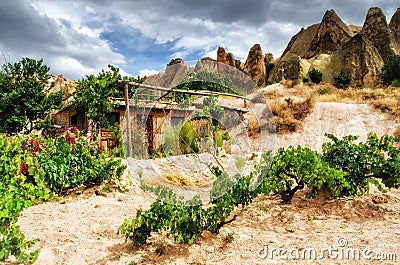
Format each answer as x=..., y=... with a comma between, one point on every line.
x=83, y=229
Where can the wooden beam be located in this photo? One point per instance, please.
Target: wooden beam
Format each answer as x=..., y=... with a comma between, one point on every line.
x=128, y=120
x=192, y=92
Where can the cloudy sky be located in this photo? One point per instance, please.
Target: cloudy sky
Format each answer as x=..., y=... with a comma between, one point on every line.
x=76, y=38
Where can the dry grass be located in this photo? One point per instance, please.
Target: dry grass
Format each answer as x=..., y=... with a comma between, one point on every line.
x=178, y=179
x=290, y=112
x=386, y=100
x=291, y=104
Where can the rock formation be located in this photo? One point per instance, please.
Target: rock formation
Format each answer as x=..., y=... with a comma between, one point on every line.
x=269, y=63
x=221, y=55
x=394, y=27
x=329, y=46
x=206, y=64
x=377, y=31
x=254, y=65
x=176, y=70
x=332, y=45
x=331, y=35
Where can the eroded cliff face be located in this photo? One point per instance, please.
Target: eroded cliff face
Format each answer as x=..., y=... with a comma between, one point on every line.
x=377, y=31
x=394, y=27
x=328, y=46
x=332, y=45
x=331, y=35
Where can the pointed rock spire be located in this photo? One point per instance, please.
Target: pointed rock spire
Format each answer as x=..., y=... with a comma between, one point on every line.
x=255, y=66
x=377, y=30
x=332, y=34
x=394, y=27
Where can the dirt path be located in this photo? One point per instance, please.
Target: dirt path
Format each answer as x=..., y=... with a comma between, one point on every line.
x=82, y=230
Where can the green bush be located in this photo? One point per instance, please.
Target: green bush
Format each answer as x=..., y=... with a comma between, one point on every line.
x=378, y=158
x=72, y=160
x=187, y=139
x=391, y=70
x=342, y=80
x=296, y=168
x=315, y=76
x=33, y=169
x=396, y=83
x=323, y=90
x=343, y=167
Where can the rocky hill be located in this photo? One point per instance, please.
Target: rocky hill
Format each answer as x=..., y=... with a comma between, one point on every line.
x=332, y=45
x=328, y=46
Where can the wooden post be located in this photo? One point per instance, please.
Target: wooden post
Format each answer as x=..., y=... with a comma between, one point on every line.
x=128, y=119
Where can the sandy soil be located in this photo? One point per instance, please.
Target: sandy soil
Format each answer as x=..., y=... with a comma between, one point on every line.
x=83, y=229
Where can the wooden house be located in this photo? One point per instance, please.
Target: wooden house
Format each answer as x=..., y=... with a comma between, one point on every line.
x=143, y=122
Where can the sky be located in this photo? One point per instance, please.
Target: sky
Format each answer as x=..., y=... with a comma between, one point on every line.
x=78, y=38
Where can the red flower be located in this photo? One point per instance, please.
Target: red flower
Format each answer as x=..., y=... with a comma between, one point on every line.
x=23, y=169
x=71, y=139
x=33, y=146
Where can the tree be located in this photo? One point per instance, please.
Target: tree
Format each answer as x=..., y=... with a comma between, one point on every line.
x=25, y=101
x=391, y=70
x=94, y=96
x=342, y=80
x=315, y=76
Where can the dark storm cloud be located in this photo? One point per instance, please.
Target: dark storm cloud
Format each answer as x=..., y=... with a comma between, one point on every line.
x=26, y=32
x=22, y=28
x=89, y=34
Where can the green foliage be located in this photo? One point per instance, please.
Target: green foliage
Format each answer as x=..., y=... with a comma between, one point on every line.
x=72, y=160
x=212, y=109
x=323, y=90
x=229, y=237
x=207, y=80
x=315, y=76
x=187, y=139
x=342, y=80
x=203, y=80
x=378, y=158
x=32, y=169
x=396, y=83
x=391, y=70
x=186, y=220
x=21, y=185
x=240, y=162
x=343, y=168
x=25, y=100
x=171, y=144
x=116, y=137
x=94, y=96
x=295, y=168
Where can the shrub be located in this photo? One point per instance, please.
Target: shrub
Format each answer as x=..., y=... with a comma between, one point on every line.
x=391, y=70
x=315, y=76
x=378, y=158
x=187, y=139
x=342, y=80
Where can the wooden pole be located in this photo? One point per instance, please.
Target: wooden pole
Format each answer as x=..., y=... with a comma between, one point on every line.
x=128, y=119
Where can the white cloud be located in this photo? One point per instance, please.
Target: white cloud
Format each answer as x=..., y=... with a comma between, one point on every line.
x=71, y=35
x=58, y=34
x=147, y=72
